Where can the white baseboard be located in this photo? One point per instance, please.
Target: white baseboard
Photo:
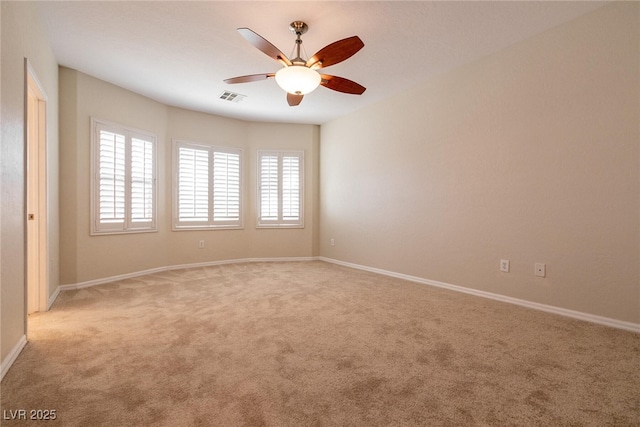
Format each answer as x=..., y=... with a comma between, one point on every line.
x=52, y=298
x=110, y=279
x=241, y=261
x=619, y=324
x=12, y=356
x=172, y=267
x=606, y=321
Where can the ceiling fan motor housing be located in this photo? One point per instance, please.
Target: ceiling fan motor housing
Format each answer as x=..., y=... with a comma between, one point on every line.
x=298, y=28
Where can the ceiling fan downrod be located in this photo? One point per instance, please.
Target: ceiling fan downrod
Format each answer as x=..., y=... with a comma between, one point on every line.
x=298, y=28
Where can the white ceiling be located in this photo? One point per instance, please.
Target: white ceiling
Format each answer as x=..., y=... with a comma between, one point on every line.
x=179, y=52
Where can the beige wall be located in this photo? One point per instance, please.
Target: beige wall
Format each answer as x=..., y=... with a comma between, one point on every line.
x=86, y=257
x=23, y=37
x=250, y=242
x=531, y=154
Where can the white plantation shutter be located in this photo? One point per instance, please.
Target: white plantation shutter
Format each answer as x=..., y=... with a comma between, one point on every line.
x=290, y=188
x=269, y=200
x=280, y=189
x=208, y=186
x=124, y=188
x=193, y=185
x=226, y=187
x=142, y=180
x=111, y=175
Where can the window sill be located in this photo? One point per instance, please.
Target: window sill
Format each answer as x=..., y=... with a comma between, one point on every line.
x=280, y=226
x=206, y=227
x=110, y=232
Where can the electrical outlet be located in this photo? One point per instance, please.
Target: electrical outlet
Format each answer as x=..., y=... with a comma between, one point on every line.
x=541, y=269
x=333, y=242
x=201, y=244
x=504, y=265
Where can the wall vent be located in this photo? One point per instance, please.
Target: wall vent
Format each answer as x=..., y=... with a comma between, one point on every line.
x=231, y=96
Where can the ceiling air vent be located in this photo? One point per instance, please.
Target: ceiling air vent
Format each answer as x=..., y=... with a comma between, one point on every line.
x=231, y=96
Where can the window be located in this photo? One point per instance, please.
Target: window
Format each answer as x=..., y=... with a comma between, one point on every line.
x=123, y=189
x=280, y=187
x=207, y=186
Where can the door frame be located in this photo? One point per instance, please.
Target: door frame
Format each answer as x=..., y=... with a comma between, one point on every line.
x=36, y=241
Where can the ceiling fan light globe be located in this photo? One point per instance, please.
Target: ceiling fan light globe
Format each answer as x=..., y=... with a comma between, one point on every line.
x=298, y=79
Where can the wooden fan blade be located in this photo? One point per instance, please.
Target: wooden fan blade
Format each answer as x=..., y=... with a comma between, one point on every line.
x=294, y=100
x=263, y=45
x=341, y=84
x=249, y=78
x=336, y=52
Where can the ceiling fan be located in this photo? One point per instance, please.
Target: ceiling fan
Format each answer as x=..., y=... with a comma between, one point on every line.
x=300, y=76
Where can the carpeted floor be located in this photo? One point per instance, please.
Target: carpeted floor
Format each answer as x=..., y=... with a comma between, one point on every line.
x=314, y=344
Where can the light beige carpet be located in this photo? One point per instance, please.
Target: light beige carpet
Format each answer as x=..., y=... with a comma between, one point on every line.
x=315, y=344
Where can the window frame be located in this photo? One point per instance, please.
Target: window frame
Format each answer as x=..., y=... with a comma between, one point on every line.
x=280, y=222
x=128, y=225
x=211, y=223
